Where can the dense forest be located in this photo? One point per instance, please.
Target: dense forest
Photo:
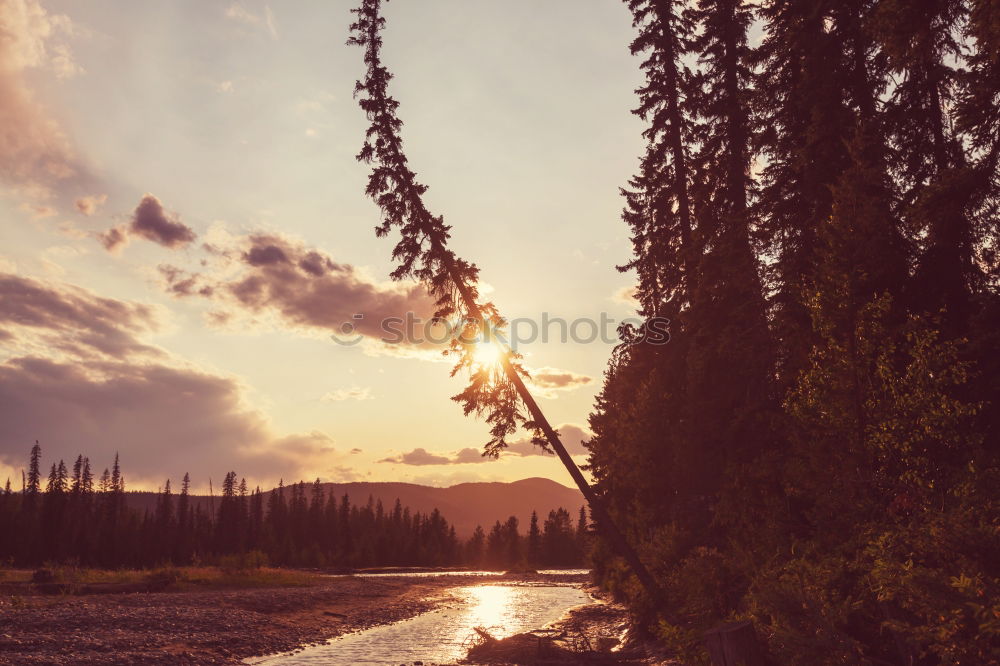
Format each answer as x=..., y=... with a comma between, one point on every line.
x=74, y=519
x=815, y=213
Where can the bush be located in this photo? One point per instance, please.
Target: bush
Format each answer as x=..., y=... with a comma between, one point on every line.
x=165, y=576
x=242, y=563
x=43, y=576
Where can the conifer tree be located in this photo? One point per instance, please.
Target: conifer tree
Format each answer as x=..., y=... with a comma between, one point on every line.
x=497, y=392
x=729, y=349
x=34, y=473
x=922, y=47
x=805, y=130
x=475, y=548
x=534, y=541
x=658, y=207
x=86, y=478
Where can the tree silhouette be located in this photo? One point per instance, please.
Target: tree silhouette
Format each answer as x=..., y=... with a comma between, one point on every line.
x=496, y=392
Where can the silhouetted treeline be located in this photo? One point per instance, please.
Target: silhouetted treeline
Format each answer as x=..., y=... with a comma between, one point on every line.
x=557, y=543
x=70, y=517
x=816, y=214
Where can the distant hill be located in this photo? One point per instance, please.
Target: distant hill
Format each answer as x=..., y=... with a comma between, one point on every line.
x=464, y=506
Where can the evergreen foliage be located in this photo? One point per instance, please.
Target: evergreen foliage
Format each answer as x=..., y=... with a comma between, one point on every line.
x=298, y=525
x=816, y=448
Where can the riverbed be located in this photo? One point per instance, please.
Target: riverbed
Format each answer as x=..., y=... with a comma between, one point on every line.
x=195, y=624
x=443, y=636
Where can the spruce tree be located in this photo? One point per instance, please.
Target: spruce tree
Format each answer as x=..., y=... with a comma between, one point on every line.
x=729, y=352
x=34, y=485
x=534, y=541
x=658, y=207
x=922, y=46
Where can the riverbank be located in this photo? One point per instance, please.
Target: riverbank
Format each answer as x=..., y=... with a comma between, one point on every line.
x=595, y=633
x=222, y=621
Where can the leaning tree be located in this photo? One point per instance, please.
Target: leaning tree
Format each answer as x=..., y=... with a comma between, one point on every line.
x=495, y=391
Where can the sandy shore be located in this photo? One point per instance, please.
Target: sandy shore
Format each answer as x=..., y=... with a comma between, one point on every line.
x=212, y=626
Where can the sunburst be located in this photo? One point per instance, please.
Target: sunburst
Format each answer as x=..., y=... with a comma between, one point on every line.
x=487, y=355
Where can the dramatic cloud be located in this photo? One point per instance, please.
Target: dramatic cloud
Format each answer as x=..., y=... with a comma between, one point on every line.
x=73, y=321
x=163, y=420
x=548, y=381
x=267, y=275
x=150, y=220
x=420, y=457
x=355, y=393
x=88, y=205
x=570, y=434
x=75, y=375
x=35, y=154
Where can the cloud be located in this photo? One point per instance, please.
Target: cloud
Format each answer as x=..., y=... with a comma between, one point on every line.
x=88, y=205
x=355, y=393
x=421, y=456
x=418, y=456
x=162, y=419
x=149, y=220
x=626, y=296
x=446, y=479
x=570, y=434
x=39, y=211
x=114, y=239
x=225, y=87
x=35, y=153
x=269, y=276
x=469, y=455
x=269, y=22
x=237, y=12
x=549, y=381
x=73, y=321
x=76, y=375
x=152, y=222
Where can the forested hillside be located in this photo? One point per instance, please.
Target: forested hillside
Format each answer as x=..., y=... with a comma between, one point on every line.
x=816, y=214
x=466, y=505
x=73, y=518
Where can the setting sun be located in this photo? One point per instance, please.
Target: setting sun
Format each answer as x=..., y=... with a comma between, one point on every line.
x=487, y=354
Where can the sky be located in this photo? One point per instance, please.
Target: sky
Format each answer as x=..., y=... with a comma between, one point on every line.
x=183, y=227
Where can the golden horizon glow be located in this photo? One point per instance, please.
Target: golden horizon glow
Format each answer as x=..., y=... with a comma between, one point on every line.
x=255, y=141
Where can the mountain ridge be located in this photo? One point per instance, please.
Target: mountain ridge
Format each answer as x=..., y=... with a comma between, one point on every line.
x=463, y=505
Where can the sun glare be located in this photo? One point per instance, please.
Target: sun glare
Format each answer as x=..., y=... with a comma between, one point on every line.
x=493, y=607
x=486, y=354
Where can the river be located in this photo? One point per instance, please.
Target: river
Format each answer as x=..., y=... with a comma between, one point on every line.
x=443, y=635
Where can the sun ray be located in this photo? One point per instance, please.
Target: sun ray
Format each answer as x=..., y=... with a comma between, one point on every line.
x=486, y=354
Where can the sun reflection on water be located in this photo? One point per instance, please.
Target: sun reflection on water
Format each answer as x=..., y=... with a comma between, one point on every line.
x=494, y=607
x=443, y=635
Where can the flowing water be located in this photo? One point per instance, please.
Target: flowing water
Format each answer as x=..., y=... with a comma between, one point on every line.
x=435, y=574
x=442, y=636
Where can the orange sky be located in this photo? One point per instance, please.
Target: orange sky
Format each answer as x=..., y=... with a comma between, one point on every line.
x=184, y=226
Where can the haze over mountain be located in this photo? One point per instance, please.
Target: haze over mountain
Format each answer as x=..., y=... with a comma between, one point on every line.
x=464, y=505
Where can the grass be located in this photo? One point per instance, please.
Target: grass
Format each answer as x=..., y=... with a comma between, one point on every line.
x=183, y=578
